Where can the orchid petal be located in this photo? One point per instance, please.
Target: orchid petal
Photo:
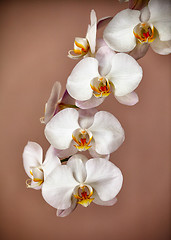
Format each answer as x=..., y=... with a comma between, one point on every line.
x=98, y=201
x=91, y=32
x=161, y=18
x=103, y=21
x=32, y=157
x=62, y=154
x=130, y=99
x=86, y=117
x=67, y=99
x=91, y=103
x=139, y=51
x=119, y=32
x=78, y=83
x=108, y=133
x=104, y=177
x=161, y=47
x=58, y=187
x=59, y=130
x=51, y=161
x=145, y=14
x=104, y=56
x=77, y=164
x=94, y=154
x=52, y=102
x=66, y=212
x=125, y=74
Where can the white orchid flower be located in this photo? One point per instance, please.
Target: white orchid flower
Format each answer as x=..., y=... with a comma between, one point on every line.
x=92, y=80
x=56, y=103
x=82, y=181
x=133, y=29
x=34, y=166
x=86, y=46
x=102, y=132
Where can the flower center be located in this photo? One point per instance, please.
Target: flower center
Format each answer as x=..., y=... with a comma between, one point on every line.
x=144, y=32
x=82, y=138
x=81, y=47
x=83, y=195
x=37, y=177
x=100, y=87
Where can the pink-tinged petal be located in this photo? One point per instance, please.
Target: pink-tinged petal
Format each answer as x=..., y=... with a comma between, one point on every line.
x=137, y=4
x=104, y=56
x=58, y=188
x=91, y=103
x=104, y=177
x=77, y=164
x=91, y=32
x=161, y=47
x=67, y=99
x=108, y=133
x=103, y=21
x=66, y=212
x=94, y=154
x=119, y=32
x=161, y=17
x=78, y=83
x=98, y=201
x=62, y=154
x=125, y=74
x=139, y=51
x=60, y=128
x=145, y=14
x=86, y=117
x=130, y=99
x=52, y=102
x=32, y=157
x=51, y=161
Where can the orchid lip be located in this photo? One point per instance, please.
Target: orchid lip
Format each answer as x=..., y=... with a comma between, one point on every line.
x=82, y=138
x=81, y=48
x=37, y=180
x=100, y=87
x=83, y=195
x=144, y=32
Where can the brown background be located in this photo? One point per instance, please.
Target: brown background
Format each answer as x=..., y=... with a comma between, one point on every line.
x=35, y=38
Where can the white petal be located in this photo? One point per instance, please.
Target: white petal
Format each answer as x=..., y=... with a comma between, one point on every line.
x=52, y=102
x=94, y=154
x=67, y=99
x=32, y=156
x=86, y=117
x=161, y=17
x=119, y=32
x=62, y=154
x=77, y=164
x=91, y=103
x=103, y=21
x=145, y=14
x=104, y=177
x=104, y=56
x=125, y=74
x=130, y=99
x=58, y=188
x=139, y=51
x=51, y=161
x=98, y=201
x=78, y=83
x=91, y=32
x=161, y=47
x=59, y=130
x=66, y=212
x=108, y=133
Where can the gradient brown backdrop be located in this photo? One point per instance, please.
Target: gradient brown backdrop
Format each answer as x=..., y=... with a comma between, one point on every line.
x=35, y=38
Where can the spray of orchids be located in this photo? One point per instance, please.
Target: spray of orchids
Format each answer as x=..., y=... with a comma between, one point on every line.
x=73, y=124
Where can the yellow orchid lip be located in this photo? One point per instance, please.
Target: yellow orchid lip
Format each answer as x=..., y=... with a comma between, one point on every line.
x=37, y=181
x=100, y=87
x=82, y=139
x=81, y=48
x=84, y=198
x=144, y=32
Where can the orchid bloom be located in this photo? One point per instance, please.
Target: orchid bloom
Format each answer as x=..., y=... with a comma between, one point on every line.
x=92, y=80
x=34, y=167
x=82, y=181
x=101, y=133
x=86, y=46
x=56, y=103
x=135, y=30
